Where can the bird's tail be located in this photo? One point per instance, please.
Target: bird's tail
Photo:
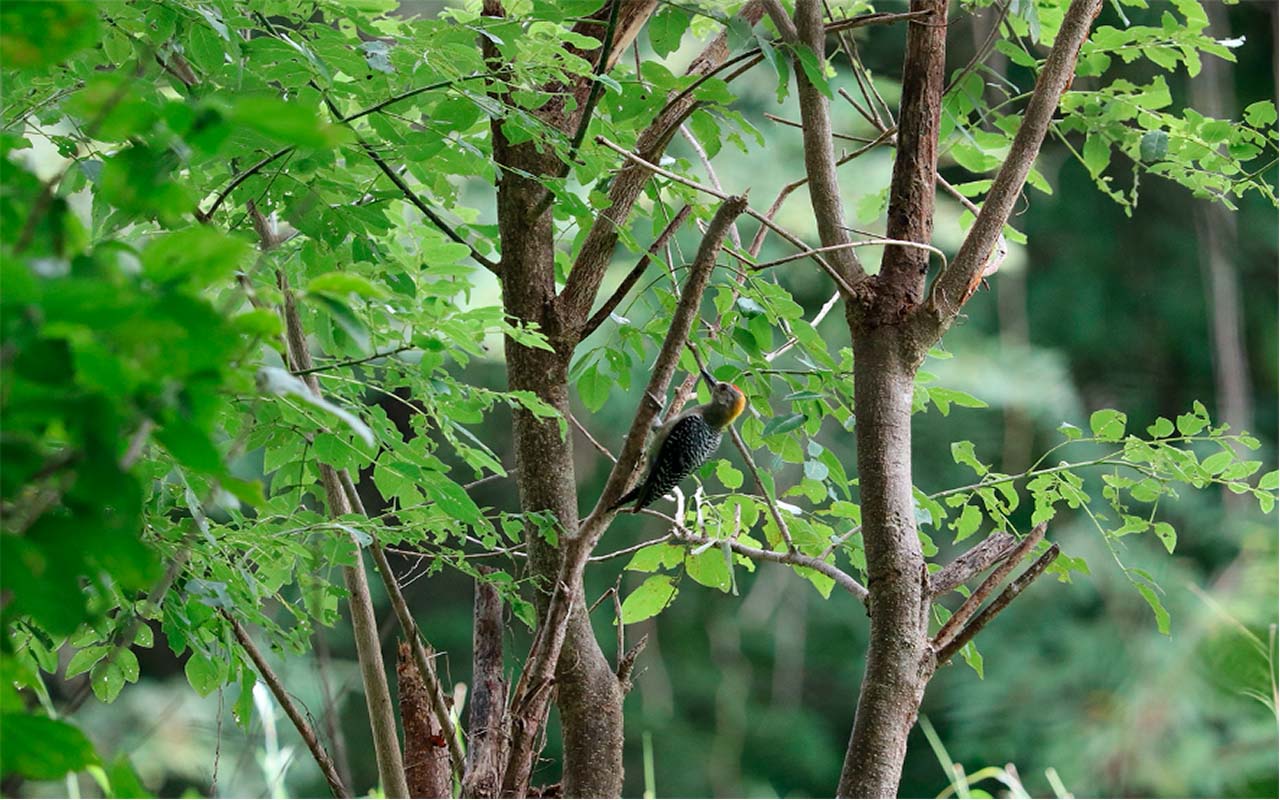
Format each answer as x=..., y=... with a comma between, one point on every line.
x=628, y=497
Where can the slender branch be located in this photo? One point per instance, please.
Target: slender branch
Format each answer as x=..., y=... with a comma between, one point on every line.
x=604, y=451
x=629, y=550
x=1002, y=601
x=412, y=634
x=819, y=149
x=995, y=547
x=598, y=318
x=299, y=721
x=364, y=621
x=952, y=286
x=597, y=248
x=354, y=361
x=426, y=210
x=971, y=603
x=843, y=579
x=763, y=219
x=205, y=216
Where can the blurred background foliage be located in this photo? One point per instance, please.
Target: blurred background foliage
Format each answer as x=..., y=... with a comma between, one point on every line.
x=1105, y=306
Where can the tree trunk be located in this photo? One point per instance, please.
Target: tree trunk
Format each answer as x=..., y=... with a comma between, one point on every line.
x=587, y=691
x=899, y=659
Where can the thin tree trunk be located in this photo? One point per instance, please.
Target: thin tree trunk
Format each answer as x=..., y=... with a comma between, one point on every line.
x=899, y=659
x=587, y=691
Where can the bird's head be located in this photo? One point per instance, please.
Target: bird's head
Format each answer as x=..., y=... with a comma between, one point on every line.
x=728, y=398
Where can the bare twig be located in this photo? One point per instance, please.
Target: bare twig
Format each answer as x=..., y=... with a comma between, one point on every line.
x=354, y=361
x=843, y=579
x=971, y=603
x=1015, y=588
x=598, y=318
x=299, y=721
x=995, y=547
x=763, y=219
x=594, y=442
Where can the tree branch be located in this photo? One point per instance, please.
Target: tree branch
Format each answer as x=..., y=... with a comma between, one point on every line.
x=819, y=149
x=409, y=628
x=598, y=318
x=299, y=721
x=969, y=563
x=989, y=613
x=971, y=603
x=793, y=558
x=953, y=286
x=597, y=248
x=915, y=169
x=364, y=622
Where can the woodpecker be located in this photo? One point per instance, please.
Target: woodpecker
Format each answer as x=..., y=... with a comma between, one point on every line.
x=682, y=444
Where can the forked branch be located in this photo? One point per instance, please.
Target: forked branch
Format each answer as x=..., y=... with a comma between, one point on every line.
x=1015, y=588
x=966, y=610
x=529, y=702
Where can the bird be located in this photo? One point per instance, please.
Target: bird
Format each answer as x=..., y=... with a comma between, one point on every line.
x=682, y=444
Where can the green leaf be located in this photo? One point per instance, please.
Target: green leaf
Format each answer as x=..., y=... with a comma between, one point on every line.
x=728, y=475
x=1260, y=114
x=1154, y=145
x=655, y=594
x=1191, y=424
x=1153, y=600
x=655, y=557
x=203, y=675
x=1167, y=535
x=1096, y=154
x=452, y=499
x=963, y=453
x=1070, y=431
x=40, y=748
x=107, y=679
x=84, y=660
x=1108, y=424
x=286, y=122
x=1160, y=428
x=782, y=424
x=666, y=29
x=593, y=388
x=341, y=284
x=812, y=68
x=709, y=568
x=967, y=523
x=1217, y=462
x=199, y=255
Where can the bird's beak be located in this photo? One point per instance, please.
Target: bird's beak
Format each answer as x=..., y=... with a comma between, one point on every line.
x=707, y=376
